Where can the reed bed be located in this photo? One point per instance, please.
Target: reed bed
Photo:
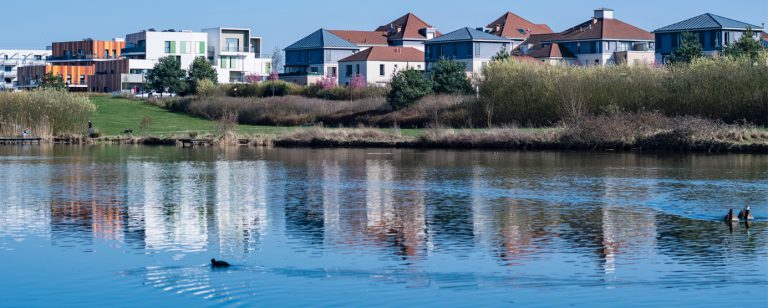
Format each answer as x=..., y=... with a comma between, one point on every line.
x=44, y=113
x=720, y=88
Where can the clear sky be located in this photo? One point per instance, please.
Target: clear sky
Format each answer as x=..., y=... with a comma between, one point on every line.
x=280, y=23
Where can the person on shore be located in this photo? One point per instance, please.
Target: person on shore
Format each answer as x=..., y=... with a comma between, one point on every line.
x=90, y=128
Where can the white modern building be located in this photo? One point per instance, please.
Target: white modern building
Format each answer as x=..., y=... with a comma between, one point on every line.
x=236, y=54
x=12, y=59
x=378, y=64
x=152, y=45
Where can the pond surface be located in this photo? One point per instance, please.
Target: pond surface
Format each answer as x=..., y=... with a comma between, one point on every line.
x=137, y=226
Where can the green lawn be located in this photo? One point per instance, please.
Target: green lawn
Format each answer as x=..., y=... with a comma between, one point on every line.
x=115, y=115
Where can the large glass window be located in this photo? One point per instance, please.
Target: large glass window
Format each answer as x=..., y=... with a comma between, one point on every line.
x=232, y=45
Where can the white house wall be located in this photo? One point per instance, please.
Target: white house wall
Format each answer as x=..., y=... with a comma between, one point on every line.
x=370, y=69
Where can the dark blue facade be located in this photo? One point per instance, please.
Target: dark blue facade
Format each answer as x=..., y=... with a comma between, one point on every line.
x=304, y=57
x=449, y=50
x=711, y=40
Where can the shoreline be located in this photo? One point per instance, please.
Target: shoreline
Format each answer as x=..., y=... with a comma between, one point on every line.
x=367, y=138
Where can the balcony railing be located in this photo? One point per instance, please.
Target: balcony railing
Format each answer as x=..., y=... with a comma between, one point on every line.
x=79, y=58
x=137, y=49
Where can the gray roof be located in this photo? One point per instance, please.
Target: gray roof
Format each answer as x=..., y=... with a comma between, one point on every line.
x=322, y=39
x=468, y=34
x=708, y=21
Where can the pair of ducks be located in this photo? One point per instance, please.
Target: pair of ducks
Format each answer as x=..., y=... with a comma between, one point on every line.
x=745, y=214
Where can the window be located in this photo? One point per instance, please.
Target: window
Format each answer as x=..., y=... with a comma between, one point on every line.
x=727, y=39
x=186, y=47
x=327, y=56
x=224, y=62
x=597, y=61
x=381, y=70
x=232, y=45
x=357, y=68
x=477, y=49
x=168, y=47
x=201, y=48
x=313, y=70
x=349, y=70
x=106, y=53
x=69, y=79
x=8, y=69
x=82, y=79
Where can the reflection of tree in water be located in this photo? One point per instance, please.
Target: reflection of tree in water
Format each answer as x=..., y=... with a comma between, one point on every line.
x=304, y=204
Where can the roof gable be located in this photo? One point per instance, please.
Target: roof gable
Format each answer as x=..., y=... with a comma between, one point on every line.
x=603, y=29
x=410, y=27
x=322, y=39
x=513, y=26
x=362, y=37
x=707, y=21
x=393, y=54
x=468, y=34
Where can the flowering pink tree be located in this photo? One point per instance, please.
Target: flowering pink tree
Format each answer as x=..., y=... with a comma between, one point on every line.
x=357, y=82
x=326, y=83
x=274, y=76
x=254, y=78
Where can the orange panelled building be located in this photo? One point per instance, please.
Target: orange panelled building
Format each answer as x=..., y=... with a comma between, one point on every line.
x=75, y=61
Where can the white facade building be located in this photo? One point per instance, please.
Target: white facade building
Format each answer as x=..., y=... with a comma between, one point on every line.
x=152, y=45
x=236, y=54
x=12, y=59
x=378, y=64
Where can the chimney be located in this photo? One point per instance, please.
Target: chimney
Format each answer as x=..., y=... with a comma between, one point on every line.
x=604, y=13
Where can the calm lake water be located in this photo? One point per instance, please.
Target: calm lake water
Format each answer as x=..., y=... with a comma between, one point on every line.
x=137, y=226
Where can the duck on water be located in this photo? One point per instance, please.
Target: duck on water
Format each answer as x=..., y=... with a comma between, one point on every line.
x=219, y=264
x=746, y=214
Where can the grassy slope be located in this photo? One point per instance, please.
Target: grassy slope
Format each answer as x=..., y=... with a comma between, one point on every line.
x=114, y=115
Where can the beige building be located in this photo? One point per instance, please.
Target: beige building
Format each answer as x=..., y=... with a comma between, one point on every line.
x=378, y=64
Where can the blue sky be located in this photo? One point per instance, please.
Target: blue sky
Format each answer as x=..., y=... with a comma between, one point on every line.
x=282, y=22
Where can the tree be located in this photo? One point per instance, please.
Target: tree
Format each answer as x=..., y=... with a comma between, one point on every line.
x=408, y=86
x=357, y=82
x=501, y=55
x=277, y=61
x=746, y=46
x=167, y=76
x=199, y=70
x=450, y=77
x=51, y=81
x=689, y=49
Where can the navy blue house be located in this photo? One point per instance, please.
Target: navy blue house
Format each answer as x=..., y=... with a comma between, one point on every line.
x=714, y=33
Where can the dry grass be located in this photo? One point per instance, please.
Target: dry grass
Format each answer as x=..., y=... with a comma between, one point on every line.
x=45, y=113
x=319, y=136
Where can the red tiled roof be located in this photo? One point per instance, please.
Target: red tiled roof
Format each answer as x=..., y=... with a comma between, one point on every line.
x=600, y=28
x=409, y=25
x=553, y=50
x=393, y=54
x=510, y=25
x=362, y=37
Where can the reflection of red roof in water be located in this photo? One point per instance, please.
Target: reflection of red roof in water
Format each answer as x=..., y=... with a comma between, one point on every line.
x=409, y=25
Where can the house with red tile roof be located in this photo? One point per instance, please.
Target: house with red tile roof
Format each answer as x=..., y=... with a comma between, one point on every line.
x=516, y=28
x=409, y=31
x=602, y=40
x=379, y=63
x=318, y=54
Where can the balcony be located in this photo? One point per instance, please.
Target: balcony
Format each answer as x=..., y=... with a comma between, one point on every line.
x=77, y=58
x=134, y=50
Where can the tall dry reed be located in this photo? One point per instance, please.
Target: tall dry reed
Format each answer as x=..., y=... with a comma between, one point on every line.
x=45, y=113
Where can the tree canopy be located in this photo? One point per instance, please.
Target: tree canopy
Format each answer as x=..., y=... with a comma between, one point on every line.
x=450, y=77
x=51, y=81
x=746, y=46
x=167, y=76
x=689, y=49
x=200, y=70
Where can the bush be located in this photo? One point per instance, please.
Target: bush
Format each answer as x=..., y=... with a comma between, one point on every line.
x=408, y=86
x=206, y=88
x=45, y=113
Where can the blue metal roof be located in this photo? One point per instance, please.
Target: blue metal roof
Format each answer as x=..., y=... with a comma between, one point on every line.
x=708, y=21
x=322, y=39
x=467, y=34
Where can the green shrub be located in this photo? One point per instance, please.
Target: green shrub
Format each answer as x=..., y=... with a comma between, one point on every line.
x=408, y=86
x=450, y=77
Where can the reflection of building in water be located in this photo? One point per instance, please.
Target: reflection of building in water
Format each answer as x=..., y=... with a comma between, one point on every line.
x=625, y=229
x=331, y=182
x=88, y=202
x=396, y=217
x=23, y=189
x=241, y=205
